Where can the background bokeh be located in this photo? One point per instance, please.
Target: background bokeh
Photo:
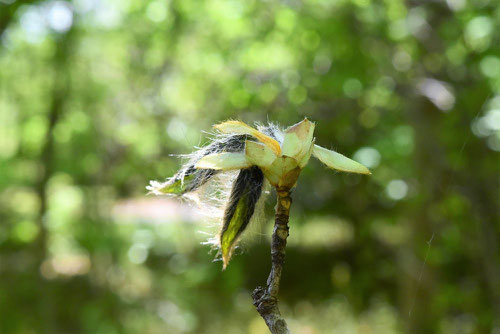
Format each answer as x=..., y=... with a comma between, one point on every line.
x=96, y=95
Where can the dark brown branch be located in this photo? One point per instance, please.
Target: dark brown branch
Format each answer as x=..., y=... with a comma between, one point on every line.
x=266, y=299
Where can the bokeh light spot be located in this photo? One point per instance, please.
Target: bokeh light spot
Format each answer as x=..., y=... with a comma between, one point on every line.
x=397, y=189
x=157, y=11
x=25, y=231
x=297, y=95
x=138, y=253
x=60, y=16
x=490, y=66
x=367, y=156
x=352, y=88
x=478, y=33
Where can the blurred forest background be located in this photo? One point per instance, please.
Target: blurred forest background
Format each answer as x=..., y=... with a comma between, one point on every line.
x=95, y=95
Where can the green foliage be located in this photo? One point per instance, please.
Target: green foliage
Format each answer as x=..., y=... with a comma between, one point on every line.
x=240, y=208
x=234, y=228
x=95, y=96
x=177, y=187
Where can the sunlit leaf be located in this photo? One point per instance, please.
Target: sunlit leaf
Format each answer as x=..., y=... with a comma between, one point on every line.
x=173, y=186
x=298, y=139
x=284, y=171
x=305, y=158
x=223, y=161
x=337, y=161
x=237, y=127
x=259, y=154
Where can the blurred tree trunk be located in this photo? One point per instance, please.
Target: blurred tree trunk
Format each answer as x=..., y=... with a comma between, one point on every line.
x=480, y=185
x=60, y=90
x=437, y=180
x=429, y=169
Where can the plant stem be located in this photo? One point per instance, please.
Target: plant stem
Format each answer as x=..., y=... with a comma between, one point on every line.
x=266, y=299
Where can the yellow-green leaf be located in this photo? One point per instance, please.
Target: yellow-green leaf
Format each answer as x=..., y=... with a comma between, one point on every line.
x=229, y=237
x=173, y=186
x=245, y=193
x=241, y=128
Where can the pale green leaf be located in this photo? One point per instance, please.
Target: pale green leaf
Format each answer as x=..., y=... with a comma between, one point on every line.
x=223, y=161
x=259, y=154
x=337, y=161
x=284, y=171
x=305, y=159
x=298, y=139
